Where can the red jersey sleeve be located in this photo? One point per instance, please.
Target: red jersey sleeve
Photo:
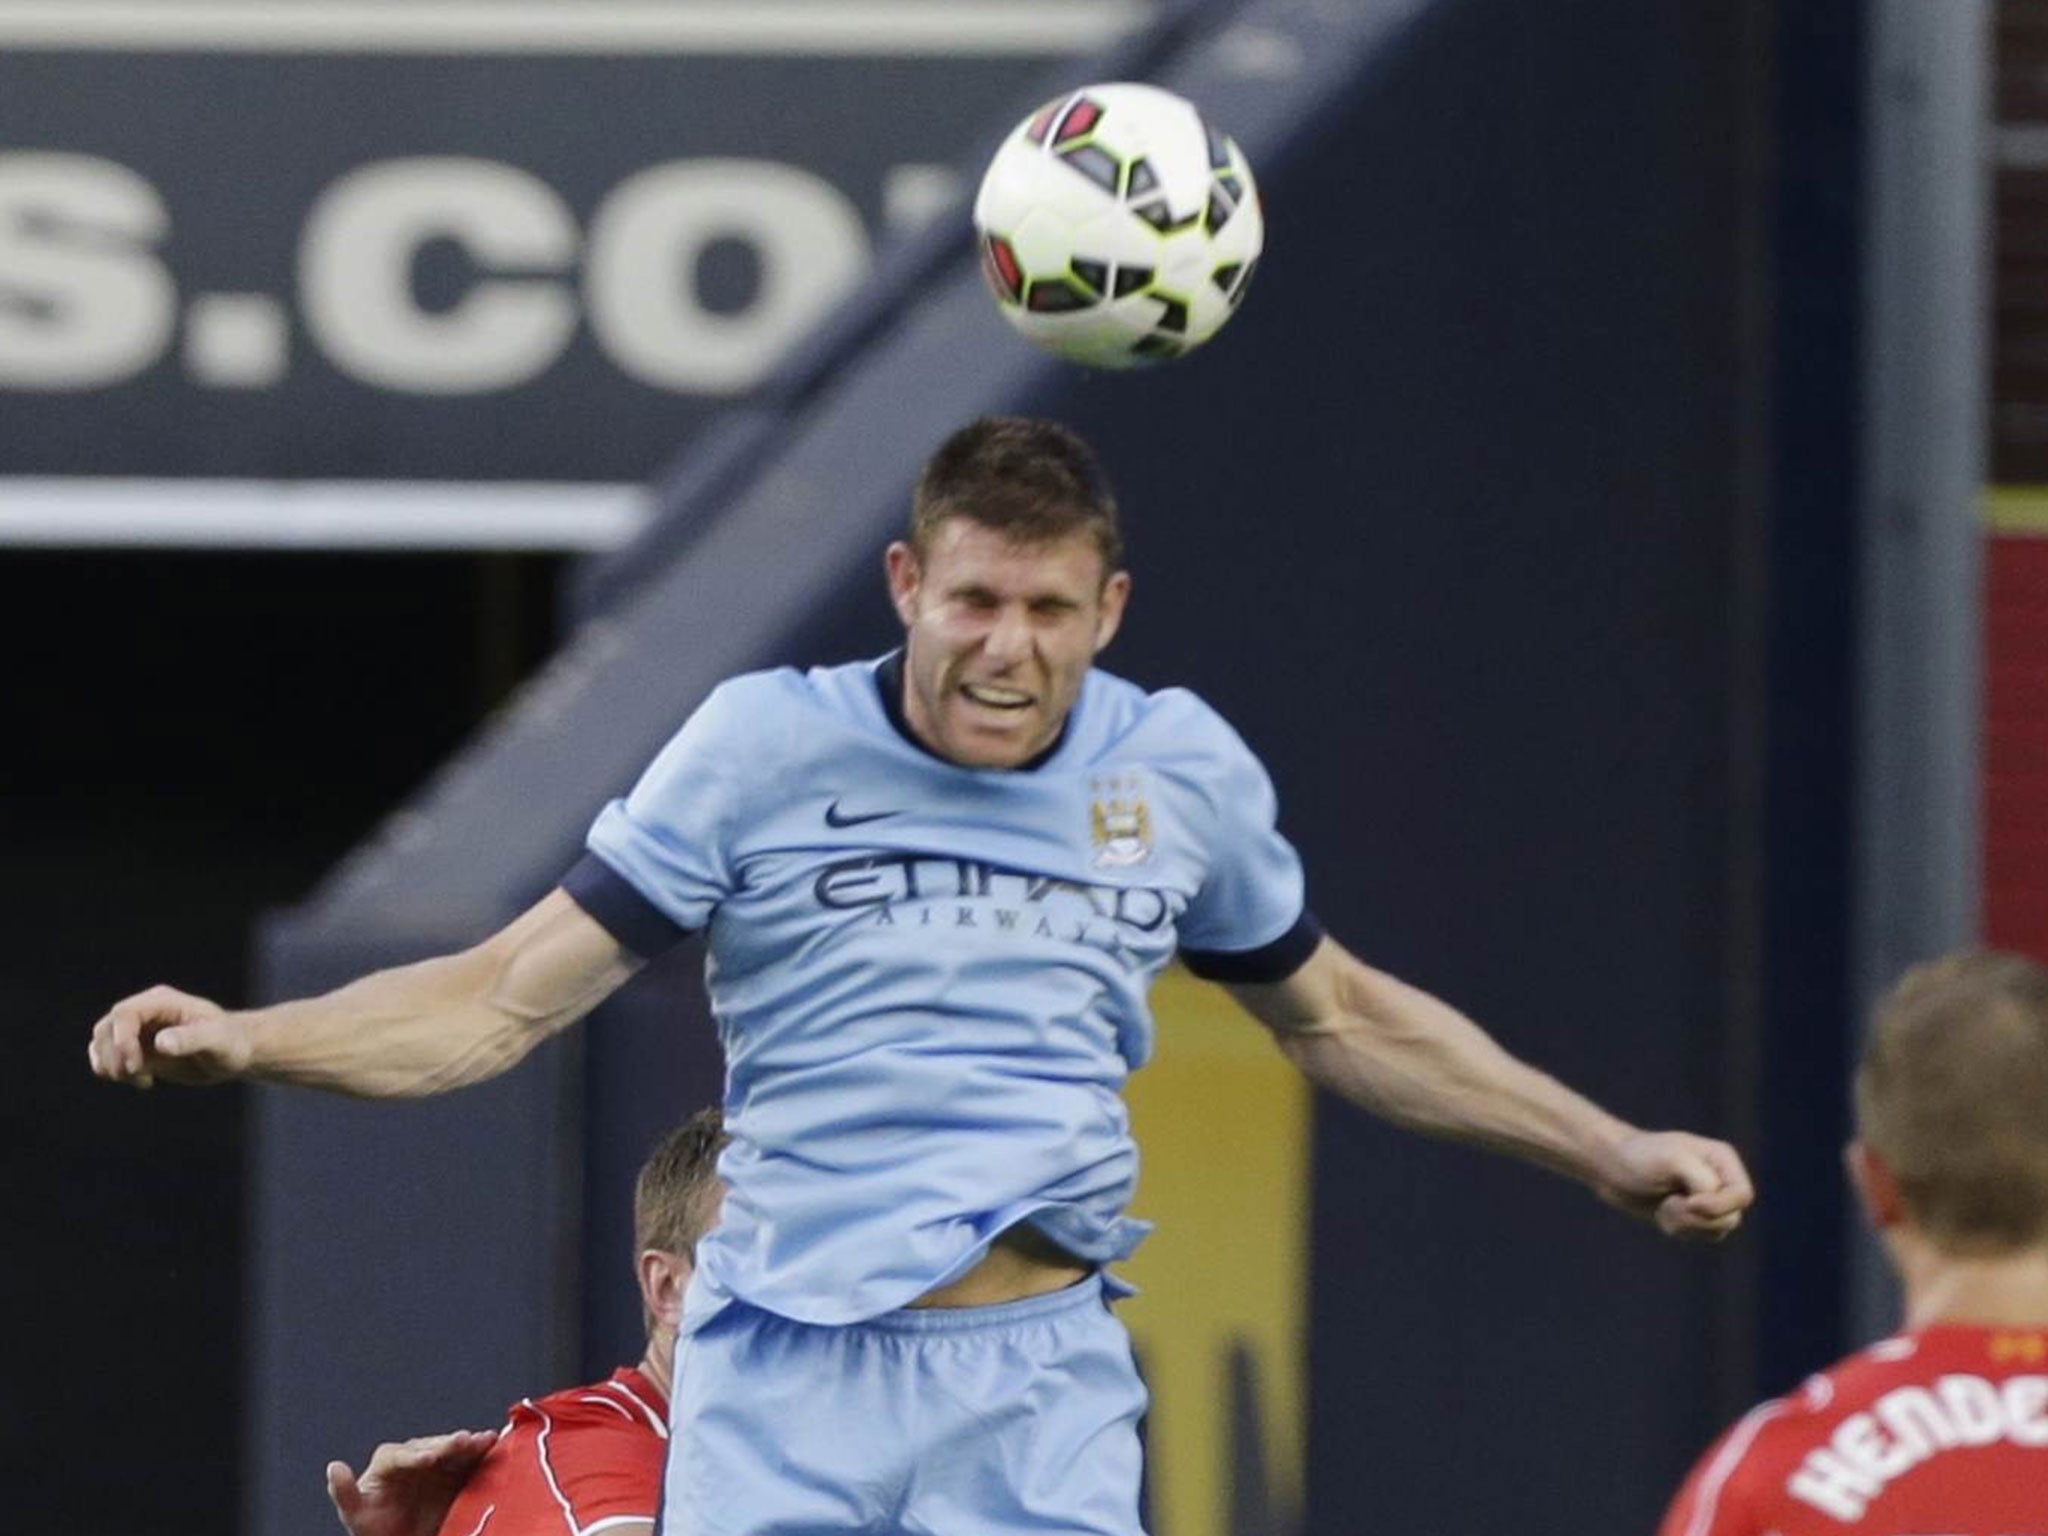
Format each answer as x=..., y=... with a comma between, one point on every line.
x=1720, y=1498
x=571, y=1464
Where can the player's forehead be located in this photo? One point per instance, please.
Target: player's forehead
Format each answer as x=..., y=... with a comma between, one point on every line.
x=964, y=553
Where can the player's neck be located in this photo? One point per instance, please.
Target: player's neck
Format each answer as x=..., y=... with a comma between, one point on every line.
x=658, y=1364
x=2007, y=1290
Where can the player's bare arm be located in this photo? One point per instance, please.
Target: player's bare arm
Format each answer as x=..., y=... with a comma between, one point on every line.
x=1413, y=1059
x=399, y=1033
x=407, y=1488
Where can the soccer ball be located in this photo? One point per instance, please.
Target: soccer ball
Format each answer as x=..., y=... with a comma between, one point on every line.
x=1117, y=227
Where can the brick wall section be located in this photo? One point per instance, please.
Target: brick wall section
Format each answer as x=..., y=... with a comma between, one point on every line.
x=2016, y=744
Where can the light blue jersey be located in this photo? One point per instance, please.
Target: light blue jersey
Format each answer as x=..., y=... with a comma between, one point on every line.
x=930, y=980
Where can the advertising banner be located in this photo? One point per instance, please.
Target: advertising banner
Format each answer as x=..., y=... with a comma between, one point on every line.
x=452, y=240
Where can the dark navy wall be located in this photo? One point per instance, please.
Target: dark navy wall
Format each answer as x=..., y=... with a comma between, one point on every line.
x=1809, y=685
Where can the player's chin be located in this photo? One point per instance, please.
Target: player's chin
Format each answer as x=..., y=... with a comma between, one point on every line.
x=982, y=753
x=996, y=738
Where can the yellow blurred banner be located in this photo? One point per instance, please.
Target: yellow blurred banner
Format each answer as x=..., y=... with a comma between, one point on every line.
x=2021, y=509
x=1223, y=1124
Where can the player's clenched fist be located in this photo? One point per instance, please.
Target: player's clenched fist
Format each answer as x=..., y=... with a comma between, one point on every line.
x=1688, y=1185
x=169, y=1034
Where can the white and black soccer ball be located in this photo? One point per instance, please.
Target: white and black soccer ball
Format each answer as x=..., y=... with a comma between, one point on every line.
x=1118, y=227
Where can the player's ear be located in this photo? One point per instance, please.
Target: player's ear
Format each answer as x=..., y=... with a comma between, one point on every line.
x=664, y=1276
x=1877, y=1187
x=1116, y=591
x=906, y=571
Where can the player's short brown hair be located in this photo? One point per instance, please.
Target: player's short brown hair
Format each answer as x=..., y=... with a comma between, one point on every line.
x=676, y=1197
x=1032, y=481
x=1953, y=1094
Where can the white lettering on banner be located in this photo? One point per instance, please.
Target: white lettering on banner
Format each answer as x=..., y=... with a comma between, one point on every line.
x=84, y=301
x=236, y=340
x=647, y=239
x=356, y=269
x=916, y=195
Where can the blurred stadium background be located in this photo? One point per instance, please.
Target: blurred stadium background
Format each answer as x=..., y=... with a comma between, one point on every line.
x=1616, y=517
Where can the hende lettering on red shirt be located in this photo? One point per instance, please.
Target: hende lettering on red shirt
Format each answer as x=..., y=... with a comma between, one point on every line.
x=1944, y=1430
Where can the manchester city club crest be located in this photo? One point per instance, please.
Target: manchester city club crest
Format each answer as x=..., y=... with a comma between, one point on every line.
x=1120, y=823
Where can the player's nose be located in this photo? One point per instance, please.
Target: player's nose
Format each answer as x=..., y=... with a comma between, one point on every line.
x=1008, y=641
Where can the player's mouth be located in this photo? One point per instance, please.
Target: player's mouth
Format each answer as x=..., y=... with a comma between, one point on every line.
x=995, y=696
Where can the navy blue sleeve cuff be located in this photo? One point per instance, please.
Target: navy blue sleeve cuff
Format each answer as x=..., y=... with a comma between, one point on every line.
x=1269, y=962
x=620, y=909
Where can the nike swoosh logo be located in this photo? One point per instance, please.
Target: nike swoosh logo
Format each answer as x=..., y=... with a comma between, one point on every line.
x=834, y=818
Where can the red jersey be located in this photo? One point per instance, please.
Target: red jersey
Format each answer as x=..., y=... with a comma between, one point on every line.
x=570, y=1464
x=1943, y=1432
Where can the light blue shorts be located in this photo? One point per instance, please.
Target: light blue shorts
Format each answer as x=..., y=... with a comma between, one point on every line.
x=963, y=1421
